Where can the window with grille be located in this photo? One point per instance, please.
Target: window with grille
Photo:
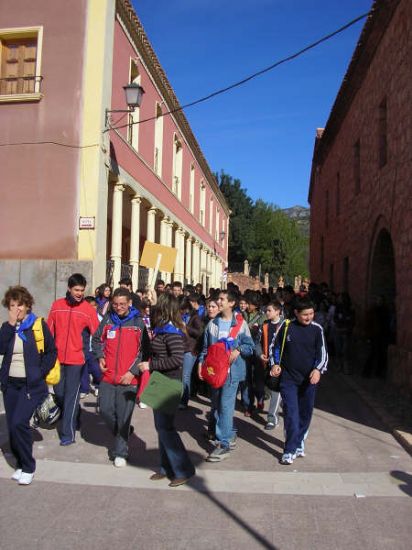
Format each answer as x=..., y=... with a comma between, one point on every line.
x=20, y=62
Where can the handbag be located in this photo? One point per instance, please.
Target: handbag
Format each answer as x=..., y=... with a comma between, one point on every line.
x=162, y=393
x=53, y=376
x=273, y=382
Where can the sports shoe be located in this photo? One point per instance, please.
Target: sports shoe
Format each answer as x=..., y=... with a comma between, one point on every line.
x=119, y=462
x=25, y=479
x=142, y=405
x=17, y=474
x=287, y=458
x=270, y=425
x=96, y=392
x=233, y=443
x=300, y=451
x=66, y=442
x=218, y=454
x=83, y=395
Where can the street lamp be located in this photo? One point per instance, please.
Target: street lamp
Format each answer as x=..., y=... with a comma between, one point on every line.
x=133, y=96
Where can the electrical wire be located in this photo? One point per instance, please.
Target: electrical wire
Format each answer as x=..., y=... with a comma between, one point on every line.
x=250, y=77
x=70, y=146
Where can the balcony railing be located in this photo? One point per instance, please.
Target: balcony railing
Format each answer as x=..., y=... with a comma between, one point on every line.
x=13, y=85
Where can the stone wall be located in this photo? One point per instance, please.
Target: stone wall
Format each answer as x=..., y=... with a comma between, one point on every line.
x=353, y=202
x=45, y=279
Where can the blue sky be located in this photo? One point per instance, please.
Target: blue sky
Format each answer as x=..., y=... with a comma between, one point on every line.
x=262, y=132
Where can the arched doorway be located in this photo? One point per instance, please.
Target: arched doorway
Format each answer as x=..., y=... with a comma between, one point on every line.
x=381, y=313
x=382, y=280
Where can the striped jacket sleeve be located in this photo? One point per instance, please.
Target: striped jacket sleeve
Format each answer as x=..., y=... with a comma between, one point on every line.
x=321, y=362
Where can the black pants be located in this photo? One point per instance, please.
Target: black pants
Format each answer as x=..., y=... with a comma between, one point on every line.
x=19, y=408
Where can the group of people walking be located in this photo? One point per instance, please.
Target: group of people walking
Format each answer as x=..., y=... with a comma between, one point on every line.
x=273, y=346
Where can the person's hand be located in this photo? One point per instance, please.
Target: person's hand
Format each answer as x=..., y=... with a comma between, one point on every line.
x=199, y=371
x=275, y=371
x=143, y=366
x=102, y=364
x=234, y=354
x=314, y=376
x=126, y=379
x=264, y=358
x=13, y=316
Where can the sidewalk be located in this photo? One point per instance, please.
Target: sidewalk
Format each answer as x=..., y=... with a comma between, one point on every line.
x=351, y=491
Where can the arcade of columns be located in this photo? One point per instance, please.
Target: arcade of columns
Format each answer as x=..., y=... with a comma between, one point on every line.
x=194, y=262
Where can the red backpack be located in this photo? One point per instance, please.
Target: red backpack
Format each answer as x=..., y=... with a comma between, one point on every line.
x=216, y=366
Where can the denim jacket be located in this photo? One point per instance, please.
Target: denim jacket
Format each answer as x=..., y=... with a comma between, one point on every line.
x=243, y=342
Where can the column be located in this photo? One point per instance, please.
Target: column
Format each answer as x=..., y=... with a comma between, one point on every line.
x=135, y=239
x=196, y=262
x=213, y=270
x=188, y=270
x=169, y=276
x=164, y=228
x=151, y=232
x=209, y=273
x=117, y=229
x=203, y=267
x=180, y=258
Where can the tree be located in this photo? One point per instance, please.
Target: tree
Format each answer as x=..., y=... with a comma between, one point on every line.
x=241, y=205
x=264, y=235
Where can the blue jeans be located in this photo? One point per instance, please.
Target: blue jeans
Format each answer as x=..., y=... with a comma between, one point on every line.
x=174, y=459
x=67, y=395
x=298, y=402
x=224, y=399
x=188, y=362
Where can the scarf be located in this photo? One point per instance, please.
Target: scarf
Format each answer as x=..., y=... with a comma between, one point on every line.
x=101, y=302
x=71, y=301
x=186, y=318
x=169, y=328
x=28, y=322
x=120, y=321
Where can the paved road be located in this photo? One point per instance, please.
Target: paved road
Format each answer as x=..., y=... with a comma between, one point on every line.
x=353, y=490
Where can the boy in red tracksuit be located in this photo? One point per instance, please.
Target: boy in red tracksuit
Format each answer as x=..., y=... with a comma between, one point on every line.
x=68, y=318
x=120, y=343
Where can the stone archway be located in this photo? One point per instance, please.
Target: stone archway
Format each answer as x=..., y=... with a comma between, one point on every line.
x=382, y=277
x=382, y=281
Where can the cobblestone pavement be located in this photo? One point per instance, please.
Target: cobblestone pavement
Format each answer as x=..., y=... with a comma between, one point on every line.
x=352, y=490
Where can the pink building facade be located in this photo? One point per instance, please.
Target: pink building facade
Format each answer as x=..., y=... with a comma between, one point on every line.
x=79, y=189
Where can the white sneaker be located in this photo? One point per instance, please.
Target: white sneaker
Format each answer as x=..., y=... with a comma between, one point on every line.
x=287, y=458
x=17, y=475
x=119, y=462
x=25, y=479
x=142, y=405
x=83, y=395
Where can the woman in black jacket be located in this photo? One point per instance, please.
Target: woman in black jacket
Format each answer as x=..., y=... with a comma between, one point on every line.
x=22, y=375
x=167, y=358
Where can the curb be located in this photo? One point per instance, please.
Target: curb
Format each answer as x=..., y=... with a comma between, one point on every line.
x=401, y=433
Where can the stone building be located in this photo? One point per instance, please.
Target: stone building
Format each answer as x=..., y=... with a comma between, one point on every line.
x=360, y=189
x=83, y=185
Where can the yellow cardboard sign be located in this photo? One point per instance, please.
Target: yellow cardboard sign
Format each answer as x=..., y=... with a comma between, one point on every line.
x=150, y=255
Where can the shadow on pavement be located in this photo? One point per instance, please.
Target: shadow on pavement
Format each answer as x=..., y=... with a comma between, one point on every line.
x=406, y=478
x=197, y=483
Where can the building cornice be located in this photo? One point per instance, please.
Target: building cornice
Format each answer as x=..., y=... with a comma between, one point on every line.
x=128, y=16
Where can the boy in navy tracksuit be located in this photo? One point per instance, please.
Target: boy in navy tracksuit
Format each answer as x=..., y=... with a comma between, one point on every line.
x=303, y=361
